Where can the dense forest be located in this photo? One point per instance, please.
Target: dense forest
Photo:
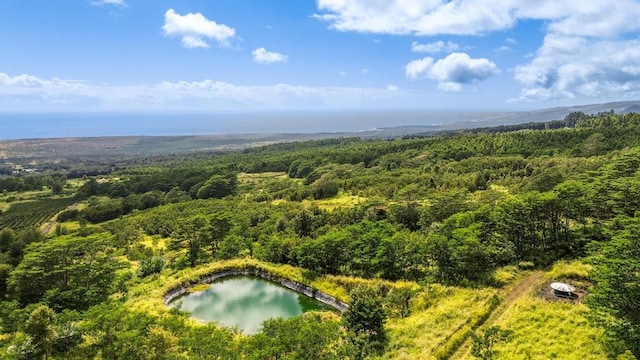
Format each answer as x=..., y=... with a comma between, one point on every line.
x=423, y=237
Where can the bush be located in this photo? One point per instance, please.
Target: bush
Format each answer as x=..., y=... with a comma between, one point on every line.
x=152, y=265
x=67, y=215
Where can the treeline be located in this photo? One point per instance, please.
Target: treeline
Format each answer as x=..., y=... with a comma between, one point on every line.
x=137, y=194
x=32, y=182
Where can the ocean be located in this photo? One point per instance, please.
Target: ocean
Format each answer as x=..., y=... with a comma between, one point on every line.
x=57, y=125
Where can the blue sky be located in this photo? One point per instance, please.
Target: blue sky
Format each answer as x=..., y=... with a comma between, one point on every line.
x=220, y=55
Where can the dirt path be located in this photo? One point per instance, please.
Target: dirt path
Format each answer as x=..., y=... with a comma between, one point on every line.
x=509, y=295
x=49, y=225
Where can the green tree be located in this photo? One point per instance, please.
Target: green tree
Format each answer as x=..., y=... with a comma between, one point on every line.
x=40, y=326
x=326, y=254
x=57, y=186
x=364, y=320
x=398, y=301
x=67, y=272
x=7, y=237
x=408, y=215
x=219, y=226
x=483, y=346
x=31, y=235
x=149, y=266
x=218, y=186
x=176, y=195
x=616, y=296
x=160, y=344
x=205, y=340
x=303, y=337
x=5, y=269
x=191, y=234
x=234, y=246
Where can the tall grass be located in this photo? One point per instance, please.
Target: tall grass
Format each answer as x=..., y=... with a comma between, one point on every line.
x=441, y=318
x=549, y=330
x=576, y=270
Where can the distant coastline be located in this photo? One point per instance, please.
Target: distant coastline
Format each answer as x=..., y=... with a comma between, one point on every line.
x=367, y=123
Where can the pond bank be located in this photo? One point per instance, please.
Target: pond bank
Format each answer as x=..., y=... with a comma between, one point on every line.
x=289, y=284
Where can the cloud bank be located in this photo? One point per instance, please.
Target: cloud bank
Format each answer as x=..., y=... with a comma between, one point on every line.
x=30, y=93
x=474, y=17
x=589, y=47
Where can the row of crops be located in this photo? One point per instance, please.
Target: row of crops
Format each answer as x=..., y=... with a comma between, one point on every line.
x=23, y=215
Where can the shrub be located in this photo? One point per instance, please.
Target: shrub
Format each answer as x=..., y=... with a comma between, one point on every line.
x=152, y=265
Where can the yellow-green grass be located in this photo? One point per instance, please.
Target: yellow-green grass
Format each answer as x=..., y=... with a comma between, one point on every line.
x=505, y=275
x=199, y=287
x=76, y=183
x=251, y=181
x=24, y=195
x=245, y=178
x=576, y=270
x=340, y=286
x=343, y=200
x=340, y=201
x=549, y=330
x=71, y=225
x=439, y=315
x=107, y=179
x=156, y=244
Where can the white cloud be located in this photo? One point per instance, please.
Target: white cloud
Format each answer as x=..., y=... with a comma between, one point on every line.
x=30, y=81
x=503, y=48
x=573, y=66
x=430, y=17
x=452, y=71
x=435, y=47
x=120, y=3
x=191, y=42
x=392, y=87
x=589, y=48
x=263, y=56
x=418, y=68
x=31, y=93
x=473, y=17
x=364, y=71
x=195, y=29
x=343, y=73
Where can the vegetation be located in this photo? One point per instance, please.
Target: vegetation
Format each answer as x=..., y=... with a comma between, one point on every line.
x=23, y=215
x=424, y=237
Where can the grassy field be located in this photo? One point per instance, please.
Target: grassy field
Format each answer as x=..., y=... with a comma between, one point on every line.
x=439, y=316
x=544, y=329
x=340, y=201
x=549, y=330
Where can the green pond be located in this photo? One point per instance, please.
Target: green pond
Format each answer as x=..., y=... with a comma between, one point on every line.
x=246, y=302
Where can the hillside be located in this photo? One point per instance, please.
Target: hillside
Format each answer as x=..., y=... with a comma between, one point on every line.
x=444, y=246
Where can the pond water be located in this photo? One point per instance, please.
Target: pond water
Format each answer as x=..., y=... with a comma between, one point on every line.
x=246, y=302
